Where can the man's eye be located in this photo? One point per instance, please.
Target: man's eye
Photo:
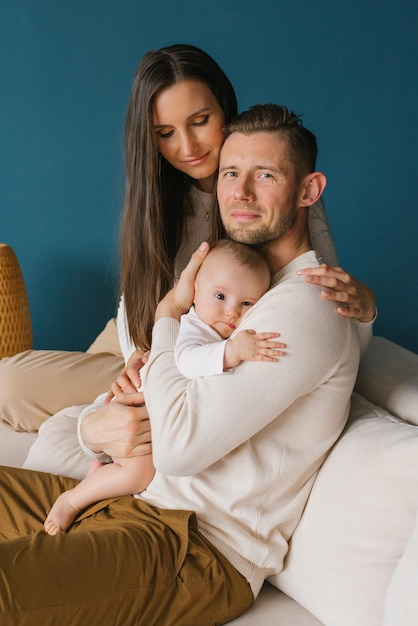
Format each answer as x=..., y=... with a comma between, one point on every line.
x=265, y=175
x=220, y=296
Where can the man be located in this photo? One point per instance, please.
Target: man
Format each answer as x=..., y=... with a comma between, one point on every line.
x=236, y=455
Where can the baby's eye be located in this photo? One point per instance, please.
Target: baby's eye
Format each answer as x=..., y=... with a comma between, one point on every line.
x=220, y=296
x=247, y=303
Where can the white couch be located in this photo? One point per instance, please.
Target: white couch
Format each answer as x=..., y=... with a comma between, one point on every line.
x=353, y=559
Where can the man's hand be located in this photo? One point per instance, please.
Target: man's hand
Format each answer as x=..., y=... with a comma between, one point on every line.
x=248, y=345
x=179, y=299
x=119, y=429
x=354, y=298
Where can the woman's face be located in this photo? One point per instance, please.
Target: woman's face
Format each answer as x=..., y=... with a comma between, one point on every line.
x=188, y=124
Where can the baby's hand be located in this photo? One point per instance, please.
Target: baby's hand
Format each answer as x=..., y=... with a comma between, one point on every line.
x=248, y=345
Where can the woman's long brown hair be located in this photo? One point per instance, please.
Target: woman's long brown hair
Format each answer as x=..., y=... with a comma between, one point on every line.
x=154, y=211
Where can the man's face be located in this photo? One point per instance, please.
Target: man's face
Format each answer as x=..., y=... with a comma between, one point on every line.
x=257, y=188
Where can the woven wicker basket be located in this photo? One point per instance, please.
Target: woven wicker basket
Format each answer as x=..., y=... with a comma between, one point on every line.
x=15, y=319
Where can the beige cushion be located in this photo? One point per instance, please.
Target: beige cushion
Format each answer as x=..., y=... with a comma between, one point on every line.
x=357, y=521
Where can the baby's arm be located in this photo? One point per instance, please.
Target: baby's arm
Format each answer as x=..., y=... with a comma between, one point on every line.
x=247, y=345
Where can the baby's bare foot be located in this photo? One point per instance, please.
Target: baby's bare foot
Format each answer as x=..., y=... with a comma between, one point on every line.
x=61, y=515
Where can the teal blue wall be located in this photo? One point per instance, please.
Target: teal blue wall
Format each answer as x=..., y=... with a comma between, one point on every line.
x=66, y=67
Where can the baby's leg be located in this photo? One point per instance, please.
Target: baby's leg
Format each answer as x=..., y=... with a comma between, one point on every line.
x=61, y=515
x=94, y=465
x=121, y=478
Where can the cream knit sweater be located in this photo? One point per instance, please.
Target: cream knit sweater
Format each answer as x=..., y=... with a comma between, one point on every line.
x=242, y=450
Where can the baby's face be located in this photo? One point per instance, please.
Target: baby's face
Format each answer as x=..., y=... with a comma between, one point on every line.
x=225, y=291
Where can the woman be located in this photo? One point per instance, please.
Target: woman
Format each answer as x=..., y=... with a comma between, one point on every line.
x=179, y=102
x=180, y=99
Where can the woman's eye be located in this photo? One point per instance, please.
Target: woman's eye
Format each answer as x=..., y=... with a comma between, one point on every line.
x=201, y=121
x=220, y=296
x=166, y=135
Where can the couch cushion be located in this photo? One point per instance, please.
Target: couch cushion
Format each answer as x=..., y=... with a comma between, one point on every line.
x=272, y=608
x=357, y=521
x=388, y=376
x=401, y=606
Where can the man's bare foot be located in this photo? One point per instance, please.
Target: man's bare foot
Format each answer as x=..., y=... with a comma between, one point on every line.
x=61, y=515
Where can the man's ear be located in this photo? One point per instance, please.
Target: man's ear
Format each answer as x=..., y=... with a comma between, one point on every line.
x=311, y=188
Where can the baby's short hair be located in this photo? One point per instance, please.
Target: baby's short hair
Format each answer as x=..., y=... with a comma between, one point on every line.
x=243, y=254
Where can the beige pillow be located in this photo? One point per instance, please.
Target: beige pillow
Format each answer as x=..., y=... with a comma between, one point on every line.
x=357, y=521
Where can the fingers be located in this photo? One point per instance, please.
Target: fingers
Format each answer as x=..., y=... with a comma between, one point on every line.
x=128, y=382
x=354, y=298
x=332, y=277
x=135, y=399
x=268, y=350
x=184, y=289
x=346, y=311
x=260, y=346
x=341, y=288
x=134, y=380
x=322, y=270
x=263, y=336
x=197, y=258
x=179, y=299
x=265, y=340
x=109, y=397
x=338, y=295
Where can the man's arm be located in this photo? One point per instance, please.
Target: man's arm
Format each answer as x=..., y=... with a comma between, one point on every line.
x=195, y=423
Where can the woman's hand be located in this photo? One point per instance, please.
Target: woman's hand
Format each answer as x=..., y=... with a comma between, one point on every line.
x=129, y=380
x=179, y=299
x=354, y=298
x=120, y=429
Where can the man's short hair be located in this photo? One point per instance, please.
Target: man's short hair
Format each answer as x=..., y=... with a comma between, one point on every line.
x=301, y=142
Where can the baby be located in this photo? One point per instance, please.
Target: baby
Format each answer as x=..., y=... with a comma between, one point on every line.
x=232, y=278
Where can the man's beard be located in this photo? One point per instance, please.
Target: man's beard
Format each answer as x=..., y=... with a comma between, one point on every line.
x=263, y=234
